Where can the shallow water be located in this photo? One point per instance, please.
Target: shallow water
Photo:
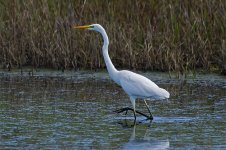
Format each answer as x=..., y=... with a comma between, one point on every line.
x=74, y=110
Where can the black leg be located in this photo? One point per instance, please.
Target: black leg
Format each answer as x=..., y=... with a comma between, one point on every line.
x=122, y=110
x=151, y=117
x=126, y=112
x=127, y=108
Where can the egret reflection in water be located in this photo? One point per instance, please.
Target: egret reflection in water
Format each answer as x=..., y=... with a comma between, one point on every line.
x=145, y=142
x=47, y=112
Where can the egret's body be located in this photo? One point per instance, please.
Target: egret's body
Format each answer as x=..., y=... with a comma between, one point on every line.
x=138, y=86
x=135, y=85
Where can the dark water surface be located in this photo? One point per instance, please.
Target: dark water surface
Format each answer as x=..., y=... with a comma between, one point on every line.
x=74, y=110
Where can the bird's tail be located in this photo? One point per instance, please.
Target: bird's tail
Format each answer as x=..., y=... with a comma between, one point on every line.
x=165, y=94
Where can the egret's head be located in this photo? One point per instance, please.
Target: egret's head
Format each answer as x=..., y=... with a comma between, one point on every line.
x=95, y=27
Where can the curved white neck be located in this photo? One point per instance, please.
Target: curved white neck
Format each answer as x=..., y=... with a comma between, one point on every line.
x=110, y=67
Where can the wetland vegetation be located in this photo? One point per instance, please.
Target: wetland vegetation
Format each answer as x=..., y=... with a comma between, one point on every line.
x=156, y=35
x=43, y=108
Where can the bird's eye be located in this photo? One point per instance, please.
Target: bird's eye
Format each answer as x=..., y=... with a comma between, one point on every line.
x=91, y=26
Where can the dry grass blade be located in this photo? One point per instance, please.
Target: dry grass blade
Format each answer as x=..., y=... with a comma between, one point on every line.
x=148, y=35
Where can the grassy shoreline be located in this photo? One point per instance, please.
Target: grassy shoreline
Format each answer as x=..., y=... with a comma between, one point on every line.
x=179, y=36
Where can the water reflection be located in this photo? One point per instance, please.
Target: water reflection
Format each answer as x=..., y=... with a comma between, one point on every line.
x=142, y=140
x=74, y=112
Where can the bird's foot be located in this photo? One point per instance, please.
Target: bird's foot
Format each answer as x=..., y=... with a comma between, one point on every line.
x=128, y=108
x=122, y=110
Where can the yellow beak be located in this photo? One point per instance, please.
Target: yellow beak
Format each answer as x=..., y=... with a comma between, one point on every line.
x=81, y=27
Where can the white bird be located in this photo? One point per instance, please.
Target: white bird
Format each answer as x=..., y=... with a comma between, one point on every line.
x=135, y=85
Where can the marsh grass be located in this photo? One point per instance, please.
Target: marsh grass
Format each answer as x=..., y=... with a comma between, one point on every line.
x=147, y=35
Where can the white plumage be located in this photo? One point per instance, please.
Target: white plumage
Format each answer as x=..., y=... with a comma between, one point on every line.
x=138, y=86
x=135, y=85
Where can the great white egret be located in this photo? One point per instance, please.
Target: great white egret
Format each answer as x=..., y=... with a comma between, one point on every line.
x=135, y=85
